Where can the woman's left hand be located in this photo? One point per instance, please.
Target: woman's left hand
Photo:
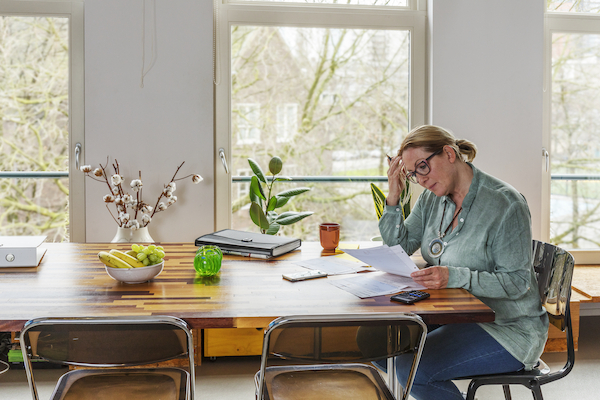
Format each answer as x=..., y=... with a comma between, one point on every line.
x=432, y=277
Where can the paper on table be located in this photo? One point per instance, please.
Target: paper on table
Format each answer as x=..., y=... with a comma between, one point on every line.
x=376, y=284
x=334, y=265
x=384, y=258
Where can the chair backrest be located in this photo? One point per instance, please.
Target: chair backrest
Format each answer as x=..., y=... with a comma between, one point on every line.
x=106, y=342
x=343, y=339
x=554, y=267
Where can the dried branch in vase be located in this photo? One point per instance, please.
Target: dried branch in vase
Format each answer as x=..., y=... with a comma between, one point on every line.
x=131, y=210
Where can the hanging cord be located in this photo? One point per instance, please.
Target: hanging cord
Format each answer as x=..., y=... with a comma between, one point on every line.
x=153, y=44
x=216, y=43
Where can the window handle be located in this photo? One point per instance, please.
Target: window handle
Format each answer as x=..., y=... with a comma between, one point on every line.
x=546, y=156
x=223, y=160
x=77, y=155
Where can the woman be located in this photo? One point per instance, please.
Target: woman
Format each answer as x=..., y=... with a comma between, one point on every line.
x=475, y=231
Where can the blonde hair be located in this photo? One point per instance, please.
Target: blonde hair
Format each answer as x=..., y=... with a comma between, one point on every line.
x=433, y=138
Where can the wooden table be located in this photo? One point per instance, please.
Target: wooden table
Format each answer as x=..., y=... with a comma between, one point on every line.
x=247, y=293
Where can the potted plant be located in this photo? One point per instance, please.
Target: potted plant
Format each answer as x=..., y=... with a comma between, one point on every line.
x=263, y=202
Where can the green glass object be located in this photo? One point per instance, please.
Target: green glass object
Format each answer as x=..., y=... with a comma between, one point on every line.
x=208, y=260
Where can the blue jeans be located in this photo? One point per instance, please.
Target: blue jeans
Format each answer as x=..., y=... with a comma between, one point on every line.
x=453, y=351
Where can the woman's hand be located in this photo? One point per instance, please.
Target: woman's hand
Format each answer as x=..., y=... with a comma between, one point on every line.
x=396, y=179
x=432, y=277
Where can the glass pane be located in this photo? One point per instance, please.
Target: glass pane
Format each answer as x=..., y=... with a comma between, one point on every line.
x=575, y=198
x=575, y=6
x=34, y=67
x=395, y=3
x=327, y=102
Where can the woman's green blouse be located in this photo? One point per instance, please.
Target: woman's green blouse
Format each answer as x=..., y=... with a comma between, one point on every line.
x=488, y=254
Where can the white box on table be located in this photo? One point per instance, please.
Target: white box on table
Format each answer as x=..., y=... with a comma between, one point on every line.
x=21, y=251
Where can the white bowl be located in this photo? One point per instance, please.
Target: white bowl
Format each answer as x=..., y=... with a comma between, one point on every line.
x=135, y=275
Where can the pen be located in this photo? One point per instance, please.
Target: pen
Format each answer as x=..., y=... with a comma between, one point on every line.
x=238, y=253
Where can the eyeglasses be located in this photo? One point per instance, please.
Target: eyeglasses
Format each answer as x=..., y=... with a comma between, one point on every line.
x=421, y=168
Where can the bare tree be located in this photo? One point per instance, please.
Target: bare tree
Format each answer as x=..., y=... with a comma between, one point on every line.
x=575, y=138
x=349, y=90
x=34, y=125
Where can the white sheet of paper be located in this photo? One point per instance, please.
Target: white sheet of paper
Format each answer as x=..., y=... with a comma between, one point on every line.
x=388, y=259
x=334, y=265
x=376, y=284
x=364, y=286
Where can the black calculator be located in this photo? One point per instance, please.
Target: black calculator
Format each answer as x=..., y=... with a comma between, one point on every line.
x=410, y=297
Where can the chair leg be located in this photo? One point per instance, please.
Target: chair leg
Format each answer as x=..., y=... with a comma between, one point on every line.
x=537, y=392
x=473, y=386
x=506, y=389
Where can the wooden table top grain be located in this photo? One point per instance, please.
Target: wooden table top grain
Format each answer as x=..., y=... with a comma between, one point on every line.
x=71, y=282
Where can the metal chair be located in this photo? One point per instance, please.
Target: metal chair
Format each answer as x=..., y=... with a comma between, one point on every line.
x=554, y=270
x=327, y=356
x=105, y=346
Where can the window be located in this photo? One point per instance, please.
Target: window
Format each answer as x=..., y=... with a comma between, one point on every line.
x=333, y=88
x=574, y=6
x=287, y=122
x=41, y=51
x=248, y=120
x=244, y=187
x=573, y=137
x=400, y=3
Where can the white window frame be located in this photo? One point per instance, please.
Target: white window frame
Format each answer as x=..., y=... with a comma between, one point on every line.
x=413, y=18
x=556, y=22
x=72, y=9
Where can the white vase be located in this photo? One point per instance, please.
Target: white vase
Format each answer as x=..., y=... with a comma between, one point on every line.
x=128, y=235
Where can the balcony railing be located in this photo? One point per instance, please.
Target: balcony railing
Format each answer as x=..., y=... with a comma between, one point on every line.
x=65, y=174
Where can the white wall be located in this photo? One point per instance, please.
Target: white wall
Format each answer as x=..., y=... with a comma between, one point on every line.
x=155, y=128
x=486, y=82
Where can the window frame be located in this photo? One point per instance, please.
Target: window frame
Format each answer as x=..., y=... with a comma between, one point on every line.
x=72, y=9
x=561, y=22
x=413, y=18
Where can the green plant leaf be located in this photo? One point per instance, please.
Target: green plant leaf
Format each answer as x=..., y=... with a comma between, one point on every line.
x=293, y=192
x=256, y=188
x=271, y=216
x=405, y=200
x=272, y=203
x=273, y=229
x=275, y=165
x=281, y=201
x=283, y=178
x=287, y=214
x=378, y=200
x=257, y=170
x=258, y=216
x=290, y=217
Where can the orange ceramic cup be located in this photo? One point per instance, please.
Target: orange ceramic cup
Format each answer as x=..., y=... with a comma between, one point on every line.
x=329, y=233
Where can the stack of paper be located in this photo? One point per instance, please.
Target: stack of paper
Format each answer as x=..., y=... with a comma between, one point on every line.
x=395, y=264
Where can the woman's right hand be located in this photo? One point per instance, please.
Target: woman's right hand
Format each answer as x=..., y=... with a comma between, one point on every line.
x=396, y=180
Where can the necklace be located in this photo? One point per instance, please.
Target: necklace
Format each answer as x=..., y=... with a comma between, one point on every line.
x=437, y=246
